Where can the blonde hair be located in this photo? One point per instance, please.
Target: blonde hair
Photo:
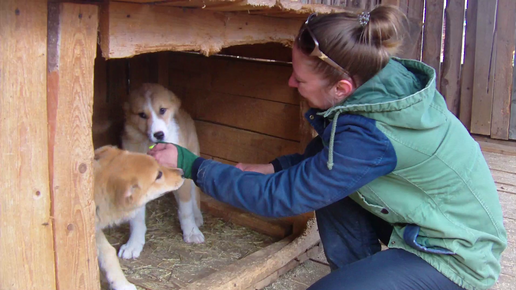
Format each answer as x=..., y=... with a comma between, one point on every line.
x=360, y=46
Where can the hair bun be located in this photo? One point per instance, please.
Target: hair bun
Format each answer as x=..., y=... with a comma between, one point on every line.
x=385, y=28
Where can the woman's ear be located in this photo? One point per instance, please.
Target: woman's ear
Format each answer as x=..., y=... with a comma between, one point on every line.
x=343, y=89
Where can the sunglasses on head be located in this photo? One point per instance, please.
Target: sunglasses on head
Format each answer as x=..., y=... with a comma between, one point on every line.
x=310, y=45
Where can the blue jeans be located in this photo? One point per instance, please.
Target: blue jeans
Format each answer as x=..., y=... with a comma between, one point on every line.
x=351, y=239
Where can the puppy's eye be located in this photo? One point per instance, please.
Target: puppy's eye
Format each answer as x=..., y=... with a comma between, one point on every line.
x=162, y=111
x=160, y=174
x=142, y=115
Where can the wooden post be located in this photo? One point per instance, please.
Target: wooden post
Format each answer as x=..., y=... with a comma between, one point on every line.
x=503, y=59
x=26, y=244
x=482, y=102
x=433, y=36
x=72, y=48
x=450, y=79
x=468, y=68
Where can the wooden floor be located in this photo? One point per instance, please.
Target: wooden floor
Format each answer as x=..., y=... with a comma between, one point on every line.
x=503, y=169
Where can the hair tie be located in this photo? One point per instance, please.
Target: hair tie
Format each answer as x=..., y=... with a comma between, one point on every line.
x=363, y=18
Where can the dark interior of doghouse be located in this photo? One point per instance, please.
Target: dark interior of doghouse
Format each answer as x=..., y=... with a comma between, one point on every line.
x=244, y=111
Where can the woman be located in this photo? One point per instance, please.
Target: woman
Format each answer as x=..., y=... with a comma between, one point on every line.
x=390, y=164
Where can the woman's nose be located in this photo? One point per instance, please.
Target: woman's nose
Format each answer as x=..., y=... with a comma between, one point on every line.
x=292, y=82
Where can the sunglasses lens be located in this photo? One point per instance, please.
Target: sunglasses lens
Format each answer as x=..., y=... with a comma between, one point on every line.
x=306, y=42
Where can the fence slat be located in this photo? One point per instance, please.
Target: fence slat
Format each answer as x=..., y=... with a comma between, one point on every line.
x=512, y=125
x=450, y=78
x=503, y=54
x=432, y=35
x=412, y=45
x=468, y=67
x=482, y=102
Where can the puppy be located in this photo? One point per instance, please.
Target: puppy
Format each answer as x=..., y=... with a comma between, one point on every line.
x=124, y=183
x=153, y=114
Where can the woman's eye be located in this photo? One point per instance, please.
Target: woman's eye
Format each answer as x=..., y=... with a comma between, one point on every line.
x=162, y=111
x=160, y=174
x=142, y=115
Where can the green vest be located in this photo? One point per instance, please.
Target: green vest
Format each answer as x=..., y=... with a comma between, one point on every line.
x=441, y=182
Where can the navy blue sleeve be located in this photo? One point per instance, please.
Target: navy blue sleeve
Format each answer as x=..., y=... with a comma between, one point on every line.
x=361, y=154
x=286, y=161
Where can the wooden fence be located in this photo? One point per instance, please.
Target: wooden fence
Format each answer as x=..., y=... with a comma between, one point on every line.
x=470, y=44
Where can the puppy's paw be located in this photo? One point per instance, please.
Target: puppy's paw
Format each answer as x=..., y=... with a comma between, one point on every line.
x=123, y=286
x=199, y=221
x=195, y=236
x=130, y=250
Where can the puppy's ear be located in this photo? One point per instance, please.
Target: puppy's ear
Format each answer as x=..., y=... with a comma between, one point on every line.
x=106, y=151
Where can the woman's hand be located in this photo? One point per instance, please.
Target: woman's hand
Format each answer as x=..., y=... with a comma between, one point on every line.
x=260, y=168
x=165, y=154
x=174, y=156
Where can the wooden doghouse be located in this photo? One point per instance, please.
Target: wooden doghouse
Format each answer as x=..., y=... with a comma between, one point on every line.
x=65, y=69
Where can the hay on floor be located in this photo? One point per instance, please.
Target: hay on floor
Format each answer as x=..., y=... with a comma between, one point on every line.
x=167, y=262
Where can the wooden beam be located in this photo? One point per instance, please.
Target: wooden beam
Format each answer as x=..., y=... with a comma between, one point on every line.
x=26, y=243
x=130, y=29
x=450, y=78
x=70, y=89
x=503, y=68
x=256, y=267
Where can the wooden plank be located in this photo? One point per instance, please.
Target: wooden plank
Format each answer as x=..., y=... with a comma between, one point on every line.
x=141, y=71
x=241, y=146
x=450, y=78
x=101, y=110
x=26, y=241
x=468, y=67
x=504, y=41
x=261, y=116
x=496, y=146
x=252, y=269
x=162, y=65
x=412, y=44
x=126, y=30
x=269, y=227
x=289, y=266
x=432, y=34
x=70, y=144
x=271, y=51
x=500, y=162
x=255, y=79
x=482, y=102
x=512, y=125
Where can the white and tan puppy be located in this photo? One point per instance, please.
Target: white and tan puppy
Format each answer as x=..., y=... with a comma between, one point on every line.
x=124, y=182
x=153, y=114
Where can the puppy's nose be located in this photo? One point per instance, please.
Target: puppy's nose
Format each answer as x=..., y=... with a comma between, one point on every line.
x=159, y=135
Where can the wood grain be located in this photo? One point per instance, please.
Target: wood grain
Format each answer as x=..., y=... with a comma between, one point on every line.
x=133, y=29
x=482, y=102
x=432, y=43
x=26, y=242
x=468, y=68
x=503, y=68
x=450, y=78
x=260, y=116
x=70, y=144
x=241, y=146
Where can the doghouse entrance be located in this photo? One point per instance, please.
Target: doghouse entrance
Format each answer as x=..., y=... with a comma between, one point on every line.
x=244, y=112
